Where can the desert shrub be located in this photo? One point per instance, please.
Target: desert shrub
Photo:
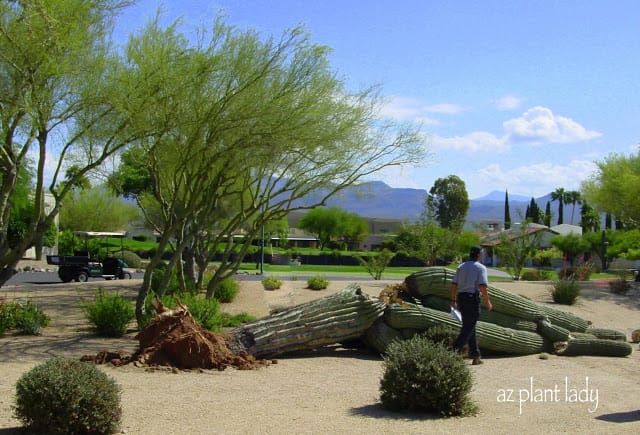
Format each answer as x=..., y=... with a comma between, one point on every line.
x=619, y=286
x=441, y=334
x=206, y=311
x=109, y=314
x=235, y=320
x=271, y=283
x=25, y=317
x=535, y=275
x=317, y=283
x=565, y=291
x=583, y=271
x=5, y=319
x=66, y=396
x=376, y=264
x=227, y=290
x=422, y=376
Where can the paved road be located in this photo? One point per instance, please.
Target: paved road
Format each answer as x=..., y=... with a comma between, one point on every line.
x=28, y=278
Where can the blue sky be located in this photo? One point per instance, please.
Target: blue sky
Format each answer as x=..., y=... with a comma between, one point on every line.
x=517, y=95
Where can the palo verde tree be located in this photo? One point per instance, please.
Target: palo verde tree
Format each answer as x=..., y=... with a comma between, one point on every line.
x=518, y=246
x=255, y=126
x=63, y=103
x=613, y=188
x=96, y=209
x=331, y=223
x=448, y=203
x=427, y=241
x=323, y=223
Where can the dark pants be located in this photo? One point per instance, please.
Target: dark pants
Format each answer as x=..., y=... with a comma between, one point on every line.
x=469, y=307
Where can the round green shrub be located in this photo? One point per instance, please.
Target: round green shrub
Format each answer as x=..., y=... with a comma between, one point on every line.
x=271, y=283
x=565, y=292
x=132, y=259
x=65, y=396
x=227, y=290
x=109, y=314
x=441, y=334
x=422, y=376
x=317, y=283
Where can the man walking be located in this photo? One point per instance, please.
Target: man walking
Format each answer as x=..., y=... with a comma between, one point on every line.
x=469, y=281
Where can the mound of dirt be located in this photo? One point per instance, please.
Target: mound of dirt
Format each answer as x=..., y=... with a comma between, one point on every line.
x=175, y=339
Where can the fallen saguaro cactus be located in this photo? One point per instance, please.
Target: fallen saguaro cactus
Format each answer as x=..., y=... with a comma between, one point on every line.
x=343, y=316
x=437, y=281
x=591, y=346
x=490, y=336
x=173, y=338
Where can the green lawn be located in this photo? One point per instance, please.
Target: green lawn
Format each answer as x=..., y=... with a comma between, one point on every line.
x=312, y=269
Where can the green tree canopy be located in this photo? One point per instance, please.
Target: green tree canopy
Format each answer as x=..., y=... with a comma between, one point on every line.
x=244, y=127
x=324, y=223
x=623, y=244
x=448, y=203
x=571, y=245
x=614, y=188
x=62, y=98
x=433, y=243
x=96, y=209
x=332, y=223
x=518, y=246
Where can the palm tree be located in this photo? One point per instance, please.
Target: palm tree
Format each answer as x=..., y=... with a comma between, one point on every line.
x=559, y=195
x=573, y=197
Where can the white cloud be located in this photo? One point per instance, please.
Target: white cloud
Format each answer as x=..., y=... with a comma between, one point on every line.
x=477, y=141
x=444, y=108
x=540, y=125
x=509, y=102
x=537, y=126
x=537, y=179
x=412, y=109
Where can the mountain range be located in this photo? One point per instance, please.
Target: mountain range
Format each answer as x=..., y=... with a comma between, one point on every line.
x=378, y=200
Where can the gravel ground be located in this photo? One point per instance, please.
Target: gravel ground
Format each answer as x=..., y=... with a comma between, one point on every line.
x=333, y=389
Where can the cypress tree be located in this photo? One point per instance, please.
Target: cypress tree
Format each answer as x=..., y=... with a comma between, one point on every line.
x=507, y=213
x=547, y=214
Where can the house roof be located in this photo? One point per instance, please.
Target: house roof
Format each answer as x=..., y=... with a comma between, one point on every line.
x=565, y=229
x=494, y=239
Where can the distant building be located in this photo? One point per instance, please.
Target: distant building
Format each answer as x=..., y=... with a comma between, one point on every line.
x=491, y=241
